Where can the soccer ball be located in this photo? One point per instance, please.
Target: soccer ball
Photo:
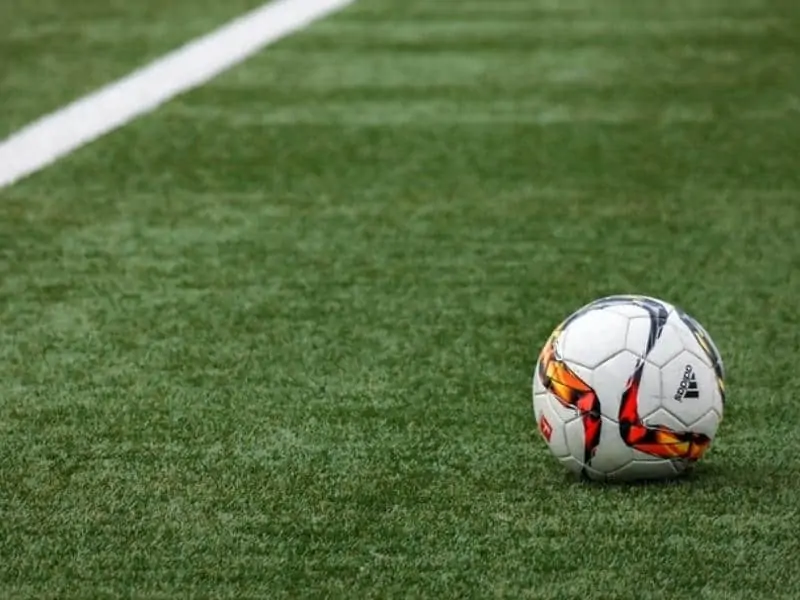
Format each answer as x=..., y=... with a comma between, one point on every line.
x=629, y=387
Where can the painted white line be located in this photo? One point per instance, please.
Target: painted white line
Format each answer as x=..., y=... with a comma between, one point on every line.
x=54, y=136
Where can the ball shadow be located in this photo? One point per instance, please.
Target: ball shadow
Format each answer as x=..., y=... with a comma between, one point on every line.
x=697, y=474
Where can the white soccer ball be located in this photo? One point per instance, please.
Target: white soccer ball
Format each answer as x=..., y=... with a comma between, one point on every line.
x=629, y=387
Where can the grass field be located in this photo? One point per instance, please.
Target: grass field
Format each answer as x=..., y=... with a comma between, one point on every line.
x=275, y=340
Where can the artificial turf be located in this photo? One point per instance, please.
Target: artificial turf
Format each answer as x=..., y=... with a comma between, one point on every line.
x=275, y=340
x=52, y=52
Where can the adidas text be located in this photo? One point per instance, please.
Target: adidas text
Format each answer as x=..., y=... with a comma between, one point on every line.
x=688, y=386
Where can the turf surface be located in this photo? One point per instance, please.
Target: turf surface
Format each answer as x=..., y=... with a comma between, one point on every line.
x=53, y=52
x=275, y=340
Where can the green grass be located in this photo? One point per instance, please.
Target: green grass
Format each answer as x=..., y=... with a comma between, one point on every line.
x=53, y=52
x=275, y=340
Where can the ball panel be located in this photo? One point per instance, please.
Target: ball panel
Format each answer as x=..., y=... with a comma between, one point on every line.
x=688, y=387
x=551, y=428
x=664, y=418
x=644, y=469
x=612, y=453
x=593, y=337
x=611, y=379
x=627, y=304
x=575, y=433
x=650, y=390
x=624, y=309
x=569, y=393
x=585, y=374
x=663, y=435
x=556, y=410
x=719, y=402
x=539, y=400
x=697, y=341
x=707, y=424
x=689, y=341
x=539, y=392
x=705, y=341
x=667, y=347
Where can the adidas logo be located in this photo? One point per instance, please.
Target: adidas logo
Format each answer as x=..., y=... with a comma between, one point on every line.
x=688, y=387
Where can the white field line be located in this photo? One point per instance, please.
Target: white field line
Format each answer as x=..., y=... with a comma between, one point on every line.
x=53, y=136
